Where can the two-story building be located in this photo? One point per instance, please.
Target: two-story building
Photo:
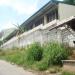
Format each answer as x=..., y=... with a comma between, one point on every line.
x=53, y=22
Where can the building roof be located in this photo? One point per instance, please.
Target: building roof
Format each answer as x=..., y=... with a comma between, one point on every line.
x=39, y=12
x=7, y=32
x=43, y=9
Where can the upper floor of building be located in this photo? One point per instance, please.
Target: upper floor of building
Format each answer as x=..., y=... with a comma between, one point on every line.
x=49, y=12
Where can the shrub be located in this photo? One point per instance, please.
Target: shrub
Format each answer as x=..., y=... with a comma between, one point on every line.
x=54, y=53
x=34, y=53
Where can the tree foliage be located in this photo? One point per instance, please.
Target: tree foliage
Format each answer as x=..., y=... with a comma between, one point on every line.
x=66, y=1
x=70, y=1
x=1, y=43
x=54, y=0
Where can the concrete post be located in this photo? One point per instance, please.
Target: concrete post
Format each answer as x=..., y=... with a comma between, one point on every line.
x=34, y=25
x=45, y=19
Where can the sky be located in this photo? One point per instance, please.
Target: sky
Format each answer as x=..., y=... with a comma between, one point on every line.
x=15, y=12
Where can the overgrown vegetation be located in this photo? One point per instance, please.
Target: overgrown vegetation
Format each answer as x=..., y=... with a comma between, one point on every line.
x=34, y=53
x=36, y=56
x=52, y=55
x=68, y=73
x=69, y=1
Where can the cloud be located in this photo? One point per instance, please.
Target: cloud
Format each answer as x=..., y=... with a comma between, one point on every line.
x=7, y=25
x=21, y=6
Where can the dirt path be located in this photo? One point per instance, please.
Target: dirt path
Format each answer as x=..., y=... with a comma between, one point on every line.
x=9, y=69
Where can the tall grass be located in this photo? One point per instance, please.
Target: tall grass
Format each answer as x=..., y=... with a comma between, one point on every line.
x=68, y=73
x=36, y=56
x=53, y=53
x=33, y=53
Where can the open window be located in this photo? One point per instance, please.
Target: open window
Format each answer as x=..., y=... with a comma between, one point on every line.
x=71, y=24
x=52, y=15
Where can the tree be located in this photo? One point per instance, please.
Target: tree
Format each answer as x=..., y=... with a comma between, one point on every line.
x=1, y=42
x=70, y=1
x=53, y=0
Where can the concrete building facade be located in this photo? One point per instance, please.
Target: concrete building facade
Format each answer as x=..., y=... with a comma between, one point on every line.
x=53, y=22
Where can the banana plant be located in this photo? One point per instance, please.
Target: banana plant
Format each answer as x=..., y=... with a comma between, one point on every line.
x=19, y=30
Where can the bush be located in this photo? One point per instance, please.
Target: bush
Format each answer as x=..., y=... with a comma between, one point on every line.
x=34, y=53
x=54, y=53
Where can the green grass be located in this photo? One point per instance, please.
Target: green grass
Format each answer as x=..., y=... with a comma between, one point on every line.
x=36, y=56
x=15, y=56
x=68, y=73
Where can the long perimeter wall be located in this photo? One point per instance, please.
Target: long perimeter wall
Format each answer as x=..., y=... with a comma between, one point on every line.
x=42, y=34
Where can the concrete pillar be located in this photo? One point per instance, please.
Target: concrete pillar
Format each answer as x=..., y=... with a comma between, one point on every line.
x=34, y=26
x=45, y=19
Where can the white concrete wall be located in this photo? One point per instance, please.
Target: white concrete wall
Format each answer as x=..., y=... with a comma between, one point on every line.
x=38, y=34
x=42, y=34
x=24, y=39
x=68, y=37
x=65, y=11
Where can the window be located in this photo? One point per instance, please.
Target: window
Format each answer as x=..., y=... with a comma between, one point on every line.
x=52, y=15
x=40, y=21
x=71, y=24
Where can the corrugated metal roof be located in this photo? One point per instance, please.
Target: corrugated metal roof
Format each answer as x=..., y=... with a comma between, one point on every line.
x=7, y=32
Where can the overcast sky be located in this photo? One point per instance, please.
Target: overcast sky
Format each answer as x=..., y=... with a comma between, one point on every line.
x=17, y=11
